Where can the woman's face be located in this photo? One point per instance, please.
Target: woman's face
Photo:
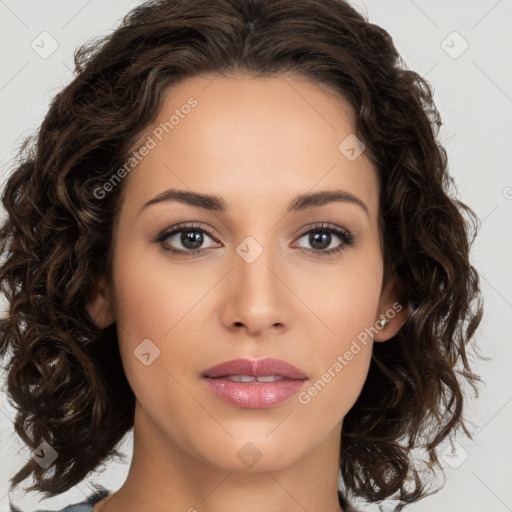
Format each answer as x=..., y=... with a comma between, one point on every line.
x=258, y=275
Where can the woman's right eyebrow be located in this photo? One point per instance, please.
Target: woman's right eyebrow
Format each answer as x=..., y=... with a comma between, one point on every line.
x=205, y=201
x=217, y=203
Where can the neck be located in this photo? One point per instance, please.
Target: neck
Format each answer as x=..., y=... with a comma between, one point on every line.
x=165, y=476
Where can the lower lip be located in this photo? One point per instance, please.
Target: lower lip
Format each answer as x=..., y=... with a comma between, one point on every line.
x=254, y=395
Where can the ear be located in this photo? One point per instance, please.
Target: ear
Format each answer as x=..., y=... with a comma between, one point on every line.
x=392, y=311
x=100, y=307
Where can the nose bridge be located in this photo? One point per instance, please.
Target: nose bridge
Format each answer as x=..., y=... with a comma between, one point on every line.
x=256, y=297
x=252, y=268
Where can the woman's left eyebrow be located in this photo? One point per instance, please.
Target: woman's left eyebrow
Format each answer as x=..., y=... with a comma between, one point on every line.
x=217, y=203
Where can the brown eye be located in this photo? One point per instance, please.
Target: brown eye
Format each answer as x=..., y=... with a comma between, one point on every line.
x=186, y=240
x=322, y=237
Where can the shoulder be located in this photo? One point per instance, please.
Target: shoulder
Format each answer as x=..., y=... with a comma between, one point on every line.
x=83, y=506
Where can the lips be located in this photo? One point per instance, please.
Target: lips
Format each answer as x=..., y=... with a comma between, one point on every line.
x=254, y=384
x=256, y=368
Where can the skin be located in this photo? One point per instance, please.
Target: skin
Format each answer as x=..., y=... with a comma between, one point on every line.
x=257, y=143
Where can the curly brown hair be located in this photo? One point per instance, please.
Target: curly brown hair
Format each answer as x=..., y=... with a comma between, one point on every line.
x=65, y=374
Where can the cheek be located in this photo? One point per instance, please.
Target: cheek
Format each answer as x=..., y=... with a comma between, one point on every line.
x=341, y=359
x=346, y=296
x=159, y=308
x=347, y=304
x=152, y=295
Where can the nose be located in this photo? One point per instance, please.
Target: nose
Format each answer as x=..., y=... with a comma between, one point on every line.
x=255, y=297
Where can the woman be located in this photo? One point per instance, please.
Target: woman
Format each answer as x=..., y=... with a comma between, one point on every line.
x=235, y=235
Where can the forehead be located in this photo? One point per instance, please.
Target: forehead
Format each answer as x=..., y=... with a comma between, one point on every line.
x=244, y=137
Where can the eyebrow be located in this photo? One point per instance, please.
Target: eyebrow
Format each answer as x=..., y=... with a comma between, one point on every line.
x=217, y=203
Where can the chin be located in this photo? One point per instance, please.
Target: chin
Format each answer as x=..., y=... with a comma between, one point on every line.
x=253, y=454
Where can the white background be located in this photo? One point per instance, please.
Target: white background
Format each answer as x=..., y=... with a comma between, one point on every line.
x=473, y=93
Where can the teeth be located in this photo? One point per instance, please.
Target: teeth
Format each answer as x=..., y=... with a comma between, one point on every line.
x=240, y=378
x=251, y=378
x=269, y=378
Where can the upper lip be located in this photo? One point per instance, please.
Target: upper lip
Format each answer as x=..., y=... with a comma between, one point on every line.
x=256, y=368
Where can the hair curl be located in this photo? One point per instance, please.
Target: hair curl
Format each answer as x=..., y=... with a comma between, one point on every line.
x=65, y=375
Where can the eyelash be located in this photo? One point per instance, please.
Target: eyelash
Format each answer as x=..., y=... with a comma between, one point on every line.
x=345, y=236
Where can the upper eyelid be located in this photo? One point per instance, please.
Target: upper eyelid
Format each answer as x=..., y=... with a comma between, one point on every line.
x=324, y=225
x=187, y=227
